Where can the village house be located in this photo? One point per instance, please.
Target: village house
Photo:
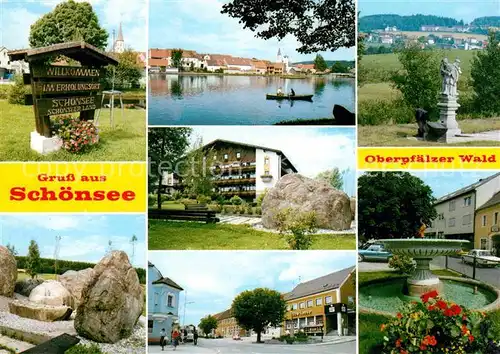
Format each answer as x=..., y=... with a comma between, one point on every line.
x=487, y=225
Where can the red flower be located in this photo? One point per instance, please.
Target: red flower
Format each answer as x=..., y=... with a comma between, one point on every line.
x=402, y=351
x=431, y=307
x=429, y=295
x=399, y=315
x=398, y=343
x=471, y=338
x=464, y=318
x=428, y=340
x=423, y=347
x=442, y=305
x=457, y=310
x=465, y=330
x=449, y=313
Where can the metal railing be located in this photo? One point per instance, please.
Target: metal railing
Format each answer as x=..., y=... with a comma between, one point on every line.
x=475, y=267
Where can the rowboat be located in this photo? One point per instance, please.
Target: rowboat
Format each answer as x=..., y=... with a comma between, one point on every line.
x=289, y=97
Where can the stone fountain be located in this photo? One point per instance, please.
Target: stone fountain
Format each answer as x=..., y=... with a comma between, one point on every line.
x=423, y=250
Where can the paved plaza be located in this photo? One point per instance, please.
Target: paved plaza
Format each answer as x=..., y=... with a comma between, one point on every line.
x=248, y=346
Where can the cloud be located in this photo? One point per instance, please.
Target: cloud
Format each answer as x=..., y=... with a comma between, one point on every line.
x=52, y=222
x=15, y=27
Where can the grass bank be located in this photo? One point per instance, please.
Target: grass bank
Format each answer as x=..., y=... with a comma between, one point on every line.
x=164, y=235
x=126, y=142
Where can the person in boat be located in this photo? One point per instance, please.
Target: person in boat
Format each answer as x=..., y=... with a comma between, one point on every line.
x=292, y=92
x=279, y=92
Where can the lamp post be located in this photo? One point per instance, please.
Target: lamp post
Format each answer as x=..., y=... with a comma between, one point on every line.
x=185, y=304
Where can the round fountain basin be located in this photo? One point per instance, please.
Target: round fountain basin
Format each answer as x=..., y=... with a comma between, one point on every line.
x=386, y=296
x=423, y=247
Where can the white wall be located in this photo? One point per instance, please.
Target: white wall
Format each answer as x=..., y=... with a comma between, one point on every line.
x=275, y=169
x=458, y=213
x=486, y=191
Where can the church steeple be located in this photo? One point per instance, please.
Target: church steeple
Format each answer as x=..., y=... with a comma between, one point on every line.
x=119, y=46
x=120, y=34
x=279, y=58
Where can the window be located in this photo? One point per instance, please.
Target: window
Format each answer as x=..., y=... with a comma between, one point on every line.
x=483, y=222
x=309, y=303
x=466, y=219
x=467, y=201
x=302, y=305
x=150, y=326
x=226, y=157
x=328, y=300
x=294, y=306
x=495, y=218
x=452, y=205
x=451, y=222
x=170, y=300
x=238, y=155
x=156, y=299
x=319, y=301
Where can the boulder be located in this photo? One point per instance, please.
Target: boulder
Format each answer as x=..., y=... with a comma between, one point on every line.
x=8, y=272
x=75, y=281
x=52, y=292
x=40, y=312
x=302, y=194
x=353, y=208
x=111, y=302
x=25, y=286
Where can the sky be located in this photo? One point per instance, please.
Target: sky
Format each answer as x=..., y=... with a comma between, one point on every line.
x=466, y=10
x=18, y=15
x=311, y=150
x=198, y=25
x=445, y=182
x=199, y=273
x=84, y=237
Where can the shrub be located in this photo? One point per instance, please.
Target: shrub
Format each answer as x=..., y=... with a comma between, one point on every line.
x=377, y=112
x=301, y=337
x=235, y=200
x=18, y=91
x=176, y=195
x=249, y=210
x=258, y=211
x=187, y=201
x=152, y=198
x=4, y=92
x=433, y=325
x=85, y=349
x=203, y=199
x=260, y=197
x=77, y=135
x=289, y=339
x=403, y=264
x=297, y=227
x=226, y=209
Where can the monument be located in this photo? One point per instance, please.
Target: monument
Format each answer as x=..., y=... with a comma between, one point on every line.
x=447, y=127
x=58, y=89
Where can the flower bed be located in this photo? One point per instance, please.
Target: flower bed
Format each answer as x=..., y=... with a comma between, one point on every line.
x=438, y=326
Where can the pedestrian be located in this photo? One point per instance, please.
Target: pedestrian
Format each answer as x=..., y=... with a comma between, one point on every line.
x=163, y=334
x=195, y=337
x=175, y=338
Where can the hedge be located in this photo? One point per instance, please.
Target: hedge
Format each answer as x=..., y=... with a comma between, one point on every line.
x=48, y=267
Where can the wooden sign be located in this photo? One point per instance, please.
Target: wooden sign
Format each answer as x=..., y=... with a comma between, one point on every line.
x=62, y=87
x=65, y=72
x=66, y=105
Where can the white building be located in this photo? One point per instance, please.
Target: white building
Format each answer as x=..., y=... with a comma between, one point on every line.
x=456, y=211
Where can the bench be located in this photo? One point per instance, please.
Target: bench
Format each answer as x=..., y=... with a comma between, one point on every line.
x=207, y=216
x=57, y=345
x=196, y=206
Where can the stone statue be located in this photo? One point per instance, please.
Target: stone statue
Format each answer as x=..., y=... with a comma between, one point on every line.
x=455, y=73
x=446, y=70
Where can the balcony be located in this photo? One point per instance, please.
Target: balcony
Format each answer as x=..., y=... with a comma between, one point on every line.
x=234, y=181
x=239, y=193
x=266, y=178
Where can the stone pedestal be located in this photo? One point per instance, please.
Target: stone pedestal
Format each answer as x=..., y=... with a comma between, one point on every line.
x=448, y=107
x=423, y=280
x=44, y=145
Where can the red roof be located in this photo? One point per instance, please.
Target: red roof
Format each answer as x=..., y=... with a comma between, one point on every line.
x=239, y=61
x=158, y=62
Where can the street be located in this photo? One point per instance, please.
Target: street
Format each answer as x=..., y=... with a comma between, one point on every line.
x=487, y=275
x=248, y=346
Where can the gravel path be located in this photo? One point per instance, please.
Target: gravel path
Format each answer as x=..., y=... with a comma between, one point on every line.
x=352, y=230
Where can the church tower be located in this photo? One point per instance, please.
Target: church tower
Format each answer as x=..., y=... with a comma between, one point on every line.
x=279, y=58
x=119, y=43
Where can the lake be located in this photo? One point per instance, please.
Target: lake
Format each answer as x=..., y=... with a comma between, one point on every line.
x=241, y=100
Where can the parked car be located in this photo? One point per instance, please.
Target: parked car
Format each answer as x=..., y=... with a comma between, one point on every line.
x=374, y=252
x=236, y=337
x=484, y=258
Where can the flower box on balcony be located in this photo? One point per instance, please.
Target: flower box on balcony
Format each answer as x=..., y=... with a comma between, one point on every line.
x=266, y=178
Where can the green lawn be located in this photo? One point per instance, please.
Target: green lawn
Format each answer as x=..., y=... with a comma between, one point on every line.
x=396, y=135
x=370, y=337
x=165, y=235
x=127, y=142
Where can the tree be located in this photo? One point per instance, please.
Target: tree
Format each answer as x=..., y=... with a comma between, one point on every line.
x=208, y=324
x=166, y=146
x=320, y=63
x=69, y=21
x=333, y=177
x=12, y=249
x=256, y=309
x=196, y=171
x=338, y=67
x=33, y=261
x=318, y=25
x=393, y=205
x=177, y=58
x=419, y=80
x=128, y=70
x=485, y=73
